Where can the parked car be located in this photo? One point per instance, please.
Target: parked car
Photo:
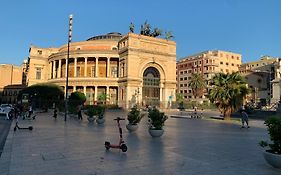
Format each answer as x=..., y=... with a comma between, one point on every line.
x=5, y=109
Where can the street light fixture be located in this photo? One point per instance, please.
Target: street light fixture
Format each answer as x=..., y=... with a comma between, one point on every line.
x=67, y=66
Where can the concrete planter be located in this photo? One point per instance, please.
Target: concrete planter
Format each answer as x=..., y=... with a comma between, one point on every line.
x=91, y=119
x=100, y=121
x=156, y=133
x=131, y=127
x=272, y=159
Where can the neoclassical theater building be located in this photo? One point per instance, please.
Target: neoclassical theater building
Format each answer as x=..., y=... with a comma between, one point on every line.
x=129, y=68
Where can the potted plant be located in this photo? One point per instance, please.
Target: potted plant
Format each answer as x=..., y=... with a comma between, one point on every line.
x=273, y=154
x=91, y=112
x=156, y=122
x=134, y=117
x=100, y=114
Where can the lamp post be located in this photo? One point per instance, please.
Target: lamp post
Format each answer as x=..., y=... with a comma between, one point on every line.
x=67, y=66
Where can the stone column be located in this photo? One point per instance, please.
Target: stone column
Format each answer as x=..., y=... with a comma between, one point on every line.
x=85, y=69
x=107, y=94
x=97, y=66
x=96, y=93
x=59, y=70
x=108, y=67
x=50, y=70
x=74, y=88
x=54, y=69
x=161, y=95
x=84, y=89
x=75, y=67
x=66, y=63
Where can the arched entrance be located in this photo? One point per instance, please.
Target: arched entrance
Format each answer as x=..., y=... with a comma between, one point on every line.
x=151, y=87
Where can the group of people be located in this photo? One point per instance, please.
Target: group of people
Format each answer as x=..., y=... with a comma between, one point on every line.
x=79, y=112
x=19, y=110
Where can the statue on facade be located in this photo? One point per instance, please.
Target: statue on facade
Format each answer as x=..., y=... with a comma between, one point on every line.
x=132, y=27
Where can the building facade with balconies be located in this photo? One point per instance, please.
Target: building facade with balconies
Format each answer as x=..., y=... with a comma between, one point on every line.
x=207, y=63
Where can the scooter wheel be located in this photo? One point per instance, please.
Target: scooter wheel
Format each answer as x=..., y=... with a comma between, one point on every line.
x=107, y=145
x=124, y=147
x=30, y=128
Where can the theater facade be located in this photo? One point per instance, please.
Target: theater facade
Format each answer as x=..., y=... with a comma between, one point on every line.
x=130, y=69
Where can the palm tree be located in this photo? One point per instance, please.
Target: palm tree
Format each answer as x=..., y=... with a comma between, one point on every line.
x=197, y=84
x=228, y=92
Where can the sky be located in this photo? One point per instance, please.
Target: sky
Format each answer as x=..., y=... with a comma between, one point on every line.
x=248, y=27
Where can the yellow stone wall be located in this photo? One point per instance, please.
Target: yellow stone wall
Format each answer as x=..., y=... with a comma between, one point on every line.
x=139, y=52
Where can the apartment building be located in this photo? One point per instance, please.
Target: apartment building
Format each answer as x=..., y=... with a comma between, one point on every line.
x=207, y=63
x=260, y=75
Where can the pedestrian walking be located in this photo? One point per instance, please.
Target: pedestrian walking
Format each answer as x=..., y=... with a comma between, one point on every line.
x=201, y=114
x=195, y=112
x=80, y=112
x=55, y=113
x=30, y=111
x=244, y=118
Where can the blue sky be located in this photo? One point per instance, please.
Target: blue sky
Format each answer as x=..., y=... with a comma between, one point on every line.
x=249, y=27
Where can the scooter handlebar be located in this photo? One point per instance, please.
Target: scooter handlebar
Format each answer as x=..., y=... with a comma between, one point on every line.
x=118, y=118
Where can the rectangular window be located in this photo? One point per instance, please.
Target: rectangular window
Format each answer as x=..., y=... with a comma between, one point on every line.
x=93, y=71
x=226, y=64
x=114, y=71
x=38, y=73
x=185, y=78
x=78, y=72
x=221, y=62
x=181, y=79
x=207, y=61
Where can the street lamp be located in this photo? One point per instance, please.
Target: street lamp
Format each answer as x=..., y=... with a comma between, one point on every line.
x=67, y=66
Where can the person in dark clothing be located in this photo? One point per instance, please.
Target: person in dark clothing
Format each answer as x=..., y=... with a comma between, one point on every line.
x=80, y=112
x=244, y=118
x=55, y=113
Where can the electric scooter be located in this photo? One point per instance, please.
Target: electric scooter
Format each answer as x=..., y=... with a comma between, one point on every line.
x=121, y=144
x=17, y=127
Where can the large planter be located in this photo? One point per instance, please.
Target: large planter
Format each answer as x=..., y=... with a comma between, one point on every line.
x=131, y=127
x=91, y=119
x=156, y=133
x=100, y=120
x=272, y=159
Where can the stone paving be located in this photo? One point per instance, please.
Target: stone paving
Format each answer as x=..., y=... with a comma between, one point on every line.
x=188, y=146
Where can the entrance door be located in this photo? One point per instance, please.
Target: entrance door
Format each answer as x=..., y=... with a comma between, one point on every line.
x=151, y=87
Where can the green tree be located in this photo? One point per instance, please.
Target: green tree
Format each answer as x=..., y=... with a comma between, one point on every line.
x=197, y=84
x=76, y=98
x=43, y=94
x=103, y=97
x=228, y=92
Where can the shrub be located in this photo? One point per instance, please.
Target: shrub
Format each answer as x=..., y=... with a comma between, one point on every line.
x=157, y=118
x=134, y=116
x=274, y=130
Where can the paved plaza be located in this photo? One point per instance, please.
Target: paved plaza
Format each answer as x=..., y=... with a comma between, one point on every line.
x=188, y=146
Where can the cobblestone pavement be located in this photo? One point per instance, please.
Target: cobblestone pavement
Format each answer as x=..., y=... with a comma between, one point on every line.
x=188, y=146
